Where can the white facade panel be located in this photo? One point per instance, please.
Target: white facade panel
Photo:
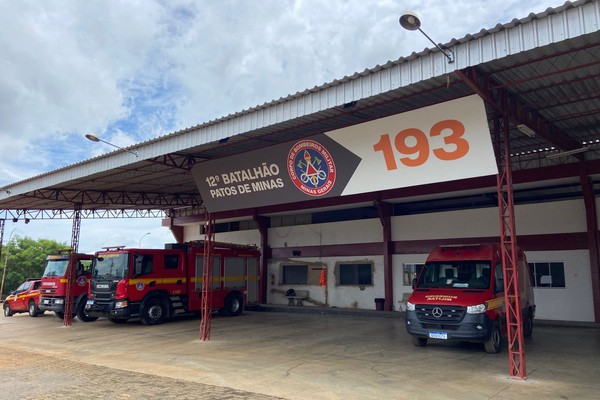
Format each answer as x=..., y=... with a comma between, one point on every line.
x=450, y=224
x=556, y=217
x=574, y=302
x=363, y=231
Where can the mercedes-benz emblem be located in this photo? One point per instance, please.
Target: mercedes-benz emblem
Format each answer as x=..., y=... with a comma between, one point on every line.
x=437, y=312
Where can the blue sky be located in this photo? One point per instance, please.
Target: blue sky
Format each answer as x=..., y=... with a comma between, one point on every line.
x=133, y=70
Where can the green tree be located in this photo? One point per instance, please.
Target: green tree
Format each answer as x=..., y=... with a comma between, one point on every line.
x=26, y=259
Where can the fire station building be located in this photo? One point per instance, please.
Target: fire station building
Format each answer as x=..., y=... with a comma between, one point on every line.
x=346, y=187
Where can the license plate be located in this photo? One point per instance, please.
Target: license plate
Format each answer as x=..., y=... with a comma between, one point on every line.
x=438, y=335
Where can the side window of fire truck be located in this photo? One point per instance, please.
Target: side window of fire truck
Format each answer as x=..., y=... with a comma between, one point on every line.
x=143, y=264
x=84, y=267
x=171, y=261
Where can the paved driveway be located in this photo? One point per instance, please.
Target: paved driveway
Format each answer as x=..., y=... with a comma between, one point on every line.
x=292, y=356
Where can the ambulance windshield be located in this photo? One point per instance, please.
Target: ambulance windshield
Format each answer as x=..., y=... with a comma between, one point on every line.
x=455, y=274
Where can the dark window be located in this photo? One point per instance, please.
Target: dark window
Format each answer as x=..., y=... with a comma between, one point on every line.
x=547, y=274
x=294, y=274
x=143, y=264
x=171, y=261
x=355, y=274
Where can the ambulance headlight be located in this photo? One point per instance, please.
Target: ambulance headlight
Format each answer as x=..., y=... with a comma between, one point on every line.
x=410, y=306
x=478, y=309
x=59, y=301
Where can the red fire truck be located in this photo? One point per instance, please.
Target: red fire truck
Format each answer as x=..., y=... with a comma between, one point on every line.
x=156, y=284
x=54, y=285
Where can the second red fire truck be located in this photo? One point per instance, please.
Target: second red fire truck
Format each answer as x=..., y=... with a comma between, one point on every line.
x=156, y=284
x=55, y=280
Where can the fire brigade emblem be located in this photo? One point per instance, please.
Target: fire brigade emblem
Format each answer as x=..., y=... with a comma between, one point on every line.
x=82, y=281
x=140, y=286
x=311, y=168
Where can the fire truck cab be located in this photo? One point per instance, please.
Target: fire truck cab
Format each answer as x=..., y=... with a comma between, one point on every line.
x=156, y=284
x=459, y=295
x=55, y=281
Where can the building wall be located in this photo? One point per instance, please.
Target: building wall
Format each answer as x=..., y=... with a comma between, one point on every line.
x=573, y=303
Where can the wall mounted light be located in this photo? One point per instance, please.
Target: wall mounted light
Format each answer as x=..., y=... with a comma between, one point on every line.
x=568, y=152
x=94, y=138
x=411, y=22
x=526, y=130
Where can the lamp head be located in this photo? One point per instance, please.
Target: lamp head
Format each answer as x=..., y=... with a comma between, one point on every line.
x=92, y=137
x=410, y=21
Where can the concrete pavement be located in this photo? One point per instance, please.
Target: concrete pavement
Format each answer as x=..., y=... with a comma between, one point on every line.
x=293, y=356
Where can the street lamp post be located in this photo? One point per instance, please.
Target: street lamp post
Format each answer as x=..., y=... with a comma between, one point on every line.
x=6, y=262
x=94, y=138
x=143, y=236
x=411, y=22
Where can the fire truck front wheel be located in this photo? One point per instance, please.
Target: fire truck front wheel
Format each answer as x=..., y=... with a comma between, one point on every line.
x=234, y=304
x=153, y=311
x=83, y=317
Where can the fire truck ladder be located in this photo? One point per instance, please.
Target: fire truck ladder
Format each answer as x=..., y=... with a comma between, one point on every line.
x=508, y=240
x=71, y=269
x=207, y=278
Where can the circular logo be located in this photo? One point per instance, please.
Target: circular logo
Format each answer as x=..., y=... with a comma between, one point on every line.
x=311, y=168
x=140, y=286
x=437, y=312
x=82, y=281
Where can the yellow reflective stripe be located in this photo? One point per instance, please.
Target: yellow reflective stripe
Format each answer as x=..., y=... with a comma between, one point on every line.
x=495, y=303
x=158, y=281
x=193, y=279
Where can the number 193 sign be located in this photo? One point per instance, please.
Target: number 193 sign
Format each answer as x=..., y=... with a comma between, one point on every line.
x=443, y=142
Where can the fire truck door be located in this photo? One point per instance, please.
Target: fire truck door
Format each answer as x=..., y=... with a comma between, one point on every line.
x=174, y=277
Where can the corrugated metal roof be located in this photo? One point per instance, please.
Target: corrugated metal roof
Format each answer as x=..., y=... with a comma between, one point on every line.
x=511, y=53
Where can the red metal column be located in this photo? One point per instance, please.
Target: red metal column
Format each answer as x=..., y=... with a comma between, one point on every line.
x=2, y=223
x=589, y=200
x=71, y=269
x=207, y=278
x=263, y=228
x=508, y=240
x=385, y=211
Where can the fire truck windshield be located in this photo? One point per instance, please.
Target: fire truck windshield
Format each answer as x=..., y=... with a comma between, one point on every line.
x=56, y=268
x=455, y=274
x=111, y=266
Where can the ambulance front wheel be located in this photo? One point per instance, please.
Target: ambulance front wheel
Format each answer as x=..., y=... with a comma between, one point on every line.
x=493, y=344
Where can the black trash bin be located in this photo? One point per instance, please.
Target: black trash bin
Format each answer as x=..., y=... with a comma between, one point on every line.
x=379, y=302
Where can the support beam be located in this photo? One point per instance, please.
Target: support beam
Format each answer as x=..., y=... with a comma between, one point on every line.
x=207, y=279
x=385, y=212
x=72, y=267
x=589, y=200
x=508, y=242
x=263, y=224
x=511, y=105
